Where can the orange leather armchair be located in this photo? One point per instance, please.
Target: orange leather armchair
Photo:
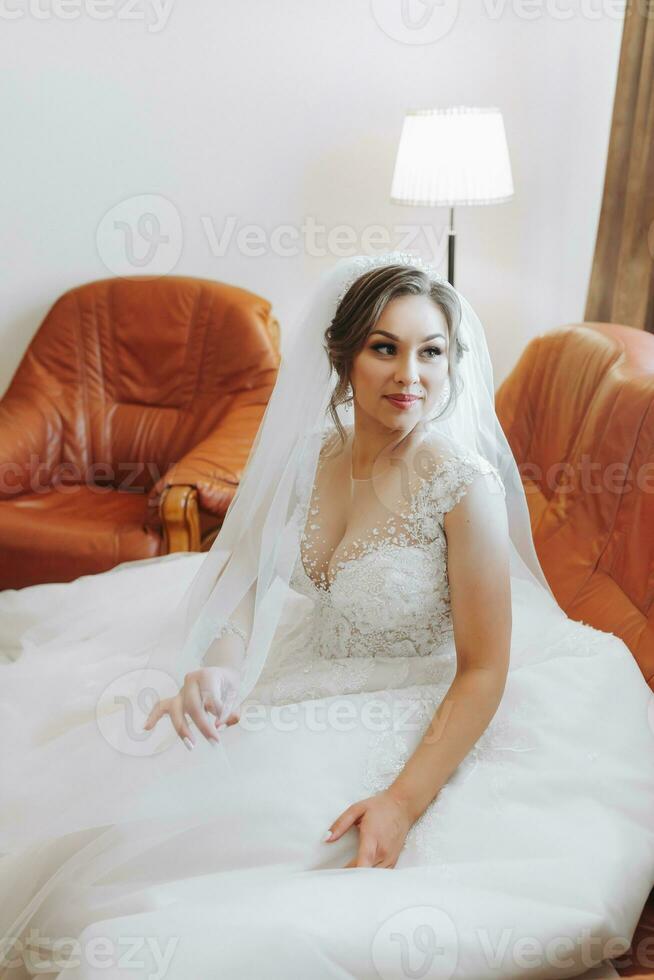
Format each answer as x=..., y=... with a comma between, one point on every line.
x=126, y=428
x=578, y=412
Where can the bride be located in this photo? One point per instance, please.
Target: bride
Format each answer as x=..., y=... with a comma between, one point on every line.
x=357, y=739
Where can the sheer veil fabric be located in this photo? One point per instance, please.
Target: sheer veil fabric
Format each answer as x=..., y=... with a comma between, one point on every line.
x=252, y=558
x=91, y=793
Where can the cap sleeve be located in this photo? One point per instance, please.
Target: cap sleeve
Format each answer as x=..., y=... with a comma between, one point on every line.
x=455, y=474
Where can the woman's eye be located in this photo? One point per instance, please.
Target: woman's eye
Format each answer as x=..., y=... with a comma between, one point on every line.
x=432, y=351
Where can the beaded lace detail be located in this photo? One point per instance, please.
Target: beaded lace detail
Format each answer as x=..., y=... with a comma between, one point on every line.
x=379, y=625
x=231, y=629
x=382, y=620
x=389, y=592
x=205, y=631
x=510, y=731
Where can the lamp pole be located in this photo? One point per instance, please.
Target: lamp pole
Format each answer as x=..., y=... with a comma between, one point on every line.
x=451, y=241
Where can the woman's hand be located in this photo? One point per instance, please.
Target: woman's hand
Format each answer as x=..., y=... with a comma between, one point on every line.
x=208, y=691
x=383, y=821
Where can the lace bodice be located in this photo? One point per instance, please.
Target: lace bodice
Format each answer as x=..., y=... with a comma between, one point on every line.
x=384, y=597
x=379, y=624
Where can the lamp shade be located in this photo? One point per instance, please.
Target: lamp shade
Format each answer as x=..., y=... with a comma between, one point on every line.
x=452, y=156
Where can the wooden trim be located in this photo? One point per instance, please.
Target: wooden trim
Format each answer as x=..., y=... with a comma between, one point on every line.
x=180, y=518
x=210, y=537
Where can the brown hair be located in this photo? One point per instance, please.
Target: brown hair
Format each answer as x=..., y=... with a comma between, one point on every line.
x=357, y=315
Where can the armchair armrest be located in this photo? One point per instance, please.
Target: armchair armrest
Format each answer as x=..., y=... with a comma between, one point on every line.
x=214, y=467
x=30, y=443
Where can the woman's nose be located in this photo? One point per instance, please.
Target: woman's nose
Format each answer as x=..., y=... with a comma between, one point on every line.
x=407, y=372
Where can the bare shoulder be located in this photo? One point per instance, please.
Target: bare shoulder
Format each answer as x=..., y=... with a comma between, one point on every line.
x=436, y=448
x=331, y=444
x=462, y=480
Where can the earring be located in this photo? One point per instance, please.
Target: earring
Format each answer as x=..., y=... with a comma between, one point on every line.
x=443, y=398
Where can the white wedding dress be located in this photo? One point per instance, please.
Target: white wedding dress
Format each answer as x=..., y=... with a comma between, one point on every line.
x=536, y=854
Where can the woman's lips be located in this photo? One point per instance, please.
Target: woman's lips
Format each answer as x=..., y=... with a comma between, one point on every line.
x=402, y=401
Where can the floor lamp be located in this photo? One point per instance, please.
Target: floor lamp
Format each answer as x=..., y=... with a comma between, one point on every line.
x=446, y=157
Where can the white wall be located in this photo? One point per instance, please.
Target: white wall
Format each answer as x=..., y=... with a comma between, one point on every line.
x=288, y=112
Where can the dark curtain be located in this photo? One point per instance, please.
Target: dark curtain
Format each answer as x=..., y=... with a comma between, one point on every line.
x=621, y=286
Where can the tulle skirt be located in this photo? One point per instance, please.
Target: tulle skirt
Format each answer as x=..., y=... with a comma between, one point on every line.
x=129, y=856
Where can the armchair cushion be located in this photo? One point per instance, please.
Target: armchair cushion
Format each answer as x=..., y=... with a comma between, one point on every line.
x=578, y=411
x=215, y=465
x=130, y=384
x=30, y=442
x=63, y=533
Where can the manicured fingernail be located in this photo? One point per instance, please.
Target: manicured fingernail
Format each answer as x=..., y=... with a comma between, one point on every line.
x=328, y=835
x=222, y=725
x=188, y=743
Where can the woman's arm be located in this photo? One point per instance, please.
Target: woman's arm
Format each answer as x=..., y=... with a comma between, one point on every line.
x=229, y=646
x=480, y=595
x=212, y=688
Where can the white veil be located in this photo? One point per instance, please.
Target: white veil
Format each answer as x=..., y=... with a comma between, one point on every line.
x=244, y=580
x=149, y=780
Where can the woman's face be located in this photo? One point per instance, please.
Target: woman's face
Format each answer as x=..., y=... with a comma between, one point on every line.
x=406, y=354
